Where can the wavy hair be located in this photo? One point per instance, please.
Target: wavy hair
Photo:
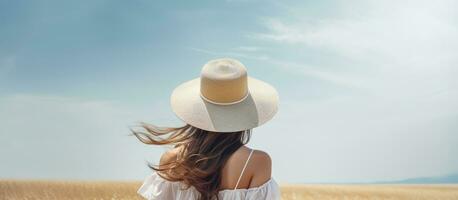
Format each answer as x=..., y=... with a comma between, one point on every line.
x=201, y=159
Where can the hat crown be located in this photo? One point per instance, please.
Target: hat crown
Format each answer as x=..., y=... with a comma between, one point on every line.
x=223, y=81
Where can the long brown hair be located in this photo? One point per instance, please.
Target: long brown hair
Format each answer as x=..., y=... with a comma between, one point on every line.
x=202, y=158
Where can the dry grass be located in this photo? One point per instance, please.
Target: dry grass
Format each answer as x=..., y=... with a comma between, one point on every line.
x=62, y=190
x=379, y=192
x=127, y=190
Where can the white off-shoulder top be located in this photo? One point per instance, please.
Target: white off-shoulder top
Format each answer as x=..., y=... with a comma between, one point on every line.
x=155, y=187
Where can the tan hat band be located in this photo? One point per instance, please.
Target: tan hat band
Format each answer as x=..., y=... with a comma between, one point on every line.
x=224, y=92
x=224, y=104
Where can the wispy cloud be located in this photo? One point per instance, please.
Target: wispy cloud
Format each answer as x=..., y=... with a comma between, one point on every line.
x=247, y=48
x=414, y=42
x=315, y=72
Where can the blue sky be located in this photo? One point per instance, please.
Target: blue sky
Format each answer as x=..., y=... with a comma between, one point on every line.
x=368, y=89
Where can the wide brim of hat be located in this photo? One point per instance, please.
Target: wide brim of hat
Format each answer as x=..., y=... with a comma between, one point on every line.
x=258, y=107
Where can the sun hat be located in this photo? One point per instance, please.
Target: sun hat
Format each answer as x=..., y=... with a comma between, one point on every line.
x=224, y=98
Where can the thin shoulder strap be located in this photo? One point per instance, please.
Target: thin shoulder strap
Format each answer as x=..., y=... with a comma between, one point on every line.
x=243, y=170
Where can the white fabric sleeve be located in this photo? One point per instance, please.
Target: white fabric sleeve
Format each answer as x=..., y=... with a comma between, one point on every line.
x=156, y=188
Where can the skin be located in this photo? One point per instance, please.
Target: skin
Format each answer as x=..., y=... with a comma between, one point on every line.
x=257, y=172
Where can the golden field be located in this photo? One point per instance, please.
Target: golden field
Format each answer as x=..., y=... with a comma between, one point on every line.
x=127, y=190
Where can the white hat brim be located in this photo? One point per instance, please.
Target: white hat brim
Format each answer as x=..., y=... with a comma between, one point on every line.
x=258, y=107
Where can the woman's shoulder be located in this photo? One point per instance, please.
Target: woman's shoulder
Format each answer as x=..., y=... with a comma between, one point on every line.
x=261, y=168
x=258, y=159
x=256, y=173
x=261, y=158
x=244, y=151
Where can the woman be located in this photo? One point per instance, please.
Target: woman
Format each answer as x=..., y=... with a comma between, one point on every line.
x=209, y=159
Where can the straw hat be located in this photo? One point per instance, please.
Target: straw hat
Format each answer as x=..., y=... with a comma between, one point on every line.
x=224, y=98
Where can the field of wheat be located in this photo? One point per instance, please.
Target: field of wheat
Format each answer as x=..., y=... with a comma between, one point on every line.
x=63, y=190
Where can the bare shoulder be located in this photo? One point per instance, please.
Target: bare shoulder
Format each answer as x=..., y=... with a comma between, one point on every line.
x=261, y=159
x=257, y=172
x=261, y=166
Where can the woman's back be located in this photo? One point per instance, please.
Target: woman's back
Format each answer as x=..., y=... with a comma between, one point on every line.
x=257, y=170
x=246, y=175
